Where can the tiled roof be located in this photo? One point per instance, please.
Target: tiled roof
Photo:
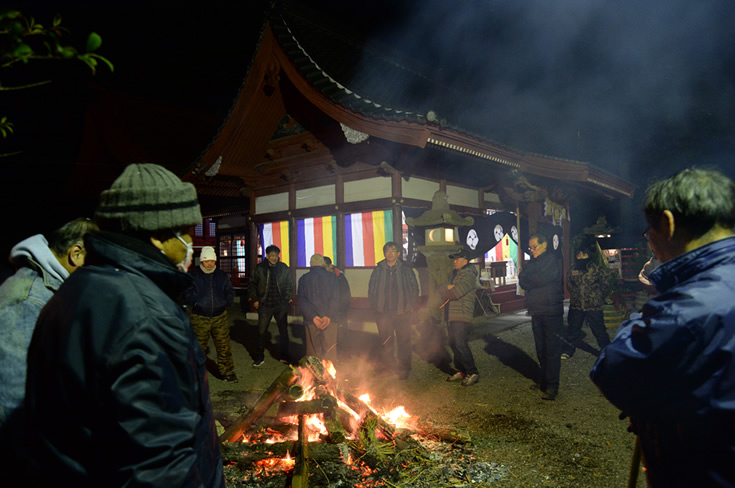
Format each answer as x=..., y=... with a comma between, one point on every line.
x=382, y=83
x=367, y=78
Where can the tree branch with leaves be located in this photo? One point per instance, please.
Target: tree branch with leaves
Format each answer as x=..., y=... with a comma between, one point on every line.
x=23, y=40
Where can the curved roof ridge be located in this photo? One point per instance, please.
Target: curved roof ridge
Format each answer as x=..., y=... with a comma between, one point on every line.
x=336, y=83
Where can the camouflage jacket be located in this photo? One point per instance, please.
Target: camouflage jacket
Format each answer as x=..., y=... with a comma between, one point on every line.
x=588, y=287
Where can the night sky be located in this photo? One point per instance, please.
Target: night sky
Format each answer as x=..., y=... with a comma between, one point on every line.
x=640, y=89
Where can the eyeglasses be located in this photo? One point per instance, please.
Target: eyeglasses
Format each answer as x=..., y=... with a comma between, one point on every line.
x=533, y=248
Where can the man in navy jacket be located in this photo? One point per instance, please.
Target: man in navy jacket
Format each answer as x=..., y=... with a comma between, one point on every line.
x=318, y=293
x=671, y=367
x=209, y=297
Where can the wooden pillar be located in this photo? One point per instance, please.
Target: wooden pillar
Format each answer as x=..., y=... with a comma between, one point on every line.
x=293, y=253
x=397, y=193
x=340, y=253
x=252, y=257
x=566, y=251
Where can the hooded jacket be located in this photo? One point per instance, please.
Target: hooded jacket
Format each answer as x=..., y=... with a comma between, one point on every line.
x=541, y=279
x=117, y=390
x=21, y=298
x=671, y=368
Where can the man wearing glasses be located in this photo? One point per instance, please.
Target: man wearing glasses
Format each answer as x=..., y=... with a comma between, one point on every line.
x=671, y=367
x=541, y=279
x=393, y=290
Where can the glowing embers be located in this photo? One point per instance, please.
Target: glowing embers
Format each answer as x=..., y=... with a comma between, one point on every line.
x=312, y=420
x=307, y=430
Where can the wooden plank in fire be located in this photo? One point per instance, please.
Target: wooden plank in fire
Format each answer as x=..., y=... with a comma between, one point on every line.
x=309, y=407
x=245, y=454
x=277, y=390
x=362, y=409
x=300, y=478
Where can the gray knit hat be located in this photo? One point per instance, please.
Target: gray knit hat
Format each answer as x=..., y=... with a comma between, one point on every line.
x=148, y=197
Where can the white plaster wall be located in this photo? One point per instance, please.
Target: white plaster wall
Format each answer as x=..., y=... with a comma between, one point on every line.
x=271, y=203
x=419, y=189
x=314, y=197
x=458, y=195
x=367, y=189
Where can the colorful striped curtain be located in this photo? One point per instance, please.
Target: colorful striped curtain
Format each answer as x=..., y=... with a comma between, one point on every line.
x=365, y=235
x=275, y=233
x=316, y=236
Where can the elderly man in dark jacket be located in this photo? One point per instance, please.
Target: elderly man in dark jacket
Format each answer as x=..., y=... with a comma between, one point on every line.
x=209, y=296
x=542, y=281
x=392, y=291
x=671, y=367
x=318, y=293
x=460, y=296
x=117, y=391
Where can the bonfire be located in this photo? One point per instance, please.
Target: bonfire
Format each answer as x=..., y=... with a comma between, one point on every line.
x=320, y=434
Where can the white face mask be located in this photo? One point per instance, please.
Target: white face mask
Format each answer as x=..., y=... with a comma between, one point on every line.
x=184, y=265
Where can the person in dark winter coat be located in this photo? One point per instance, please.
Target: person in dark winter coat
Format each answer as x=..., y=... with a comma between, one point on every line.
x=345, y=299
x=318, y=293
x=117, y=391
x=541, y=279
x=345, y=295
x=392, y=291
x=209, y=296
x=587, y=282
x=460, y=296
x=41, y=268
x=270, y=290
x=671, y=366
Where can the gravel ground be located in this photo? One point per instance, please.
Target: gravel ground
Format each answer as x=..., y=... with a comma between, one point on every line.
x=575, y=441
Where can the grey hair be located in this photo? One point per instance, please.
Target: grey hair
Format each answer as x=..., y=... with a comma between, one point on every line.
x=698, y=198
x=317, y=260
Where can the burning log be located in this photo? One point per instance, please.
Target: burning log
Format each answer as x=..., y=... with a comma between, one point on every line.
x=334, y=425
x=363, y=409
x=309, y=407
x=300, y=478
x=247, y=453
x=280, y=387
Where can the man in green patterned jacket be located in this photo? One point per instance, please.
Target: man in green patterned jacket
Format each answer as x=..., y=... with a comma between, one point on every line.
x=587, y=282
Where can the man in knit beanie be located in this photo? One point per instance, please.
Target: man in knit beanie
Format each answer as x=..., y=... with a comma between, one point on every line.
x=209, y=296
x=117, y=391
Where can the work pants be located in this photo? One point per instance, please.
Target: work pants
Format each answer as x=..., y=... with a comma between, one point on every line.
x=322, y=343
x=546, y=335
x=464, y=361
x=394, y=331
x=265, y=314
x=575, y=321
x=218, y=327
